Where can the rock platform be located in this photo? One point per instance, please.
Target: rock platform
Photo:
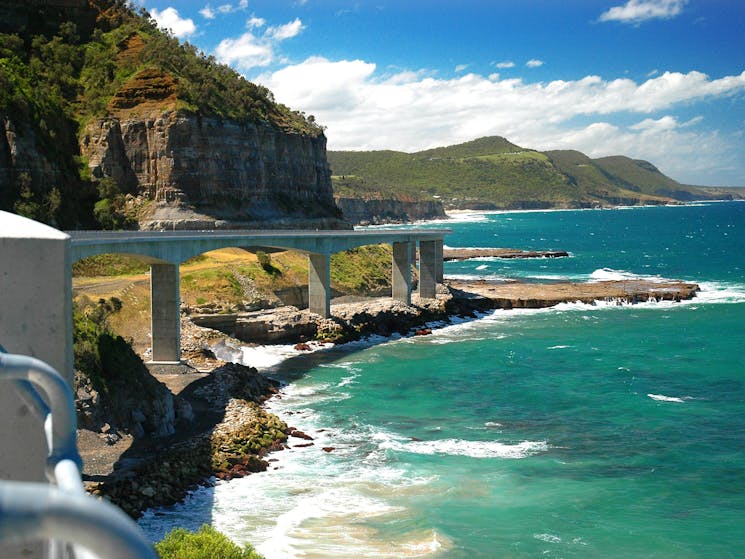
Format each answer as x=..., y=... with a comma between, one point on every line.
x=457, y=254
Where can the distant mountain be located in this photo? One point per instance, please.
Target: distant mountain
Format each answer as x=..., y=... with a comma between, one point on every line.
x=495, y=173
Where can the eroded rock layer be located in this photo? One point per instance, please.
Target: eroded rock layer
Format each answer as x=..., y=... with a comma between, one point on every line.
x=204, y=172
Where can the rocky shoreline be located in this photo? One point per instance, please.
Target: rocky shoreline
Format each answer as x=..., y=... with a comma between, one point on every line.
x=231, y=435
x=457, y=254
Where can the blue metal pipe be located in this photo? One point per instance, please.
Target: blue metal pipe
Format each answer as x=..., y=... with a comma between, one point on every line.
x=32, y=511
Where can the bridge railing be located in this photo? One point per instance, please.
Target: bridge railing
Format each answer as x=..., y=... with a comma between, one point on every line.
x=77, y=525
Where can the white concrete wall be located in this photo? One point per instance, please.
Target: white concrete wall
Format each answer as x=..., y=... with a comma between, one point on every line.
x=35, y=320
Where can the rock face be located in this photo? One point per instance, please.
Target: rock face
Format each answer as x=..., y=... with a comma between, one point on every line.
x=203, y=172
x=377, y=211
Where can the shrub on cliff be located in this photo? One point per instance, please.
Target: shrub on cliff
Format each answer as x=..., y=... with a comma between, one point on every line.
x=127, y=395
x=206, y=543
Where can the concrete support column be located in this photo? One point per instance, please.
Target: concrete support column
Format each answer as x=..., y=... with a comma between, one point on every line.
x=35, y=320
x=401, y=279
x=427, y=269
x=319, y=284
x=165, y=309
x=439, y=261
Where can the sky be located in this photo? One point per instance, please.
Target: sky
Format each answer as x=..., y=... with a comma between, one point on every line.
x=659, y=80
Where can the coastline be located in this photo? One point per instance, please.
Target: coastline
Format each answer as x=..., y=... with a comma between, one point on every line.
x=233, y=435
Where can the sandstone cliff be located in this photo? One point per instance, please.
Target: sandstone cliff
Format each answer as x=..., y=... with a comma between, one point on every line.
x=377, y=211
x=106, y=121
x=202, y=172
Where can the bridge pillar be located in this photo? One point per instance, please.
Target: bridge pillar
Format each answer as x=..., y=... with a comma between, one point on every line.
x=439, y=261
x=319, y=284
x=428, y=268
x=401, y=279
x=165, y=309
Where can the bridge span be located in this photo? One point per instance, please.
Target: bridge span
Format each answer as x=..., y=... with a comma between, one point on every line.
x=167, y=249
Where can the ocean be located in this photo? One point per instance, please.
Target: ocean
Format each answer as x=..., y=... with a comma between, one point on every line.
x=581, y=431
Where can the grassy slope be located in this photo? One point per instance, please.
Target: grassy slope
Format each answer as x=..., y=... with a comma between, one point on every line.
x=225, y=277
x=494, y=171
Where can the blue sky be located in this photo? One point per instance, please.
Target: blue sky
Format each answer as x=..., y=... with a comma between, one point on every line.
x=661, y=80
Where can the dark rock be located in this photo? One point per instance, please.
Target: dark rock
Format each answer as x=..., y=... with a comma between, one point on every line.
x=300, y=435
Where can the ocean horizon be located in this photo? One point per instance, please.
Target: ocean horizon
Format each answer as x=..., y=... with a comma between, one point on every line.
x=583, y=431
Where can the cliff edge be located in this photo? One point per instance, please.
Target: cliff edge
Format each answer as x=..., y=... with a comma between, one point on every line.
x=108, y=122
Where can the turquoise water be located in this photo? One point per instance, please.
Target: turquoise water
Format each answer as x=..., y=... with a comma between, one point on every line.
x=579, y=431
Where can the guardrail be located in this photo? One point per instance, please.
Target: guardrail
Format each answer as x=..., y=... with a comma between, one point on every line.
x=78, y=525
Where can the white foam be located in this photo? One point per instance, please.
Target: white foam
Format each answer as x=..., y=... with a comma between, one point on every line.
x=472, y=277
x=548, y=538
x=468, y=217
x=460, y=447
x=661, y=398
x=609, y=274
x=265, y=357
x=720, y=292
x=482, y=267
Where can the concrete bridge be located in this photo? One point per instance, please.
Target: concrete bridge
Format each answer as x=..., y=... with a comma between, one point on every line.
x=166, y=250
x=36, y=311
x=36, y=275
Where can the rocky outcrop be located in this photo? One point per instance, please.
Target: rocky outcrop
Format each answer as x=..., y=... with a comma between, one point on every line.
x=203, y=172
x=377, y=211
x=515, y=295
x=458, y=254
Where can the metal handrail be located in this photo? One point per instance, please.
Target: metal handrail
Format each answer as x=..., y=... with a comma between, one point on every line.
x=65, y=512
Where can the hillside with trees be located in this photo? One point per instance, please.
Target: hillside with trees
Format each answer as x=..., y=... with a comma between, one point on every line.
x=65, y=64
x=493, y=173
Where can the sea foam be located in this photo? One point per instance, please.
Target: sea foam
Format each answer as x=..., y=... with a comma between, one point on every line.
x=472, y=449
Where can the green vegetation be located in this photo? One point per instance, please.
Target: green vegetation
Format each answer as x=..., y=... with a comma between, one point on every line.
x=109, y=265
x=205, y=543
x=494, y=173
x=109, y=364
x=58, y=76
x=362, y=270
x=265, y=261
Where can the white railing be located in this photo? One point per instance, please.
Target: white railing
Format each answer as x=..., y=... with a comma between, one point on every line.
x=77, y=525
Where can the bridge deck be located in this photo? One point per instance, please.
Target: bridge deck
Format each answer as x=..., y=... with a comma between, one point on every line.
x=177, y=246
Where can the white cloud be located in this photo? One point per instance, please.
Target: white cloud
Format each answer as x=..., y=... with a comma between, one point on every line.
x=410, y=111
x=460, y=67
x=170, y=19
x=637, y=11
x=207, y=12
x=245, y=52
x=534, y=63
x=255, y=22
x=286, y=31
x=243, y=4
x=251, y=51
x=505, y=64
x=225, y=8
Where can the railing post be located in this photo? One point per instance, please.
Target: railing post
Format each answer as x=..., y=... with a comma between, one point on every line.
x=319, y=284
x=165, y=308
x=401, y=280
x=36, y=320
